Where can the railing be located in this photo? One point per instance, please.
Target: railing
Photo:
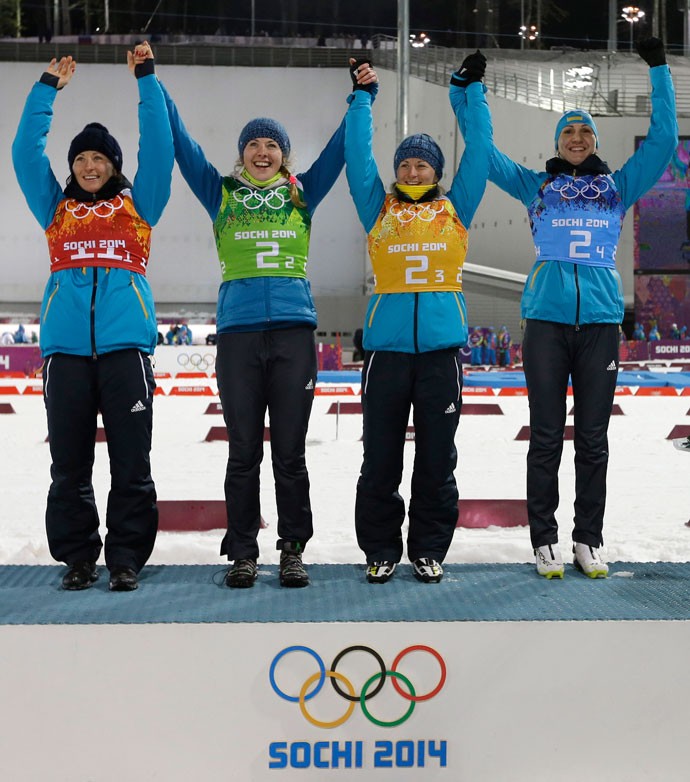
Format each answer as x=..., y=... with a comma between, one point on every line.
x=182, y=54
x=605, y=84
x=615, y=84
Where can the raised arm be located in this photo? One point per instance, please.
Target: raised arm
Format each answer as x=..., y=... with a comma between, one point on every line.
x=516, y=180
x=469, y=181
x=152, y=182
x=325, y=170
x=203, y=179
x=649, y=162
x=31, y=165
x=366, y=187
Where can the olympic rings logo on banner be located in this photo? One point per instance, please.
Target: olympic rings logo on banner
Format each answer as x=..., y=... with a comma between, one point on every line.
x=589, y=190
x=196, y=360
x=425, y=212
x=254, y=199
x=372, y=687
x=79, y=210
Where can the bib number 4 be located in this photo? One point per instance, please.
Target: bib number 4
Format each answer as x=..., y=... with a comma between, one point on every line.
x=580, y=246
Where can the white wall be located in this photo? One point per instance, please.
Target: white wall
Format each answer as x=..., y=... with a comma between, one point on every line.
x=523, y=701
x=216, y=103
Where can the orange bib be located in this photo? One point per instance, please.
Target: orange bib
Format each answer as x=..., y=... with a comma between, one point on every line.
x=417, y=247
x=107, y=233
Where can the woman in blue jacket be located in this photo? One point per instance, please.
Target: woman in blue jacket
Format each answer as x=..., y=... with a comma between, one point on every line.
x=98, y=325
x=415, y=325
x=573, y=306
x=266, y=357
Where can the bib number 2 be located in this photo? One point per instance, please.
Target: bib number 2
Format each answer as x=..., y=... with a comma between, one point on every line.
x=273, y=251
x=581, y=244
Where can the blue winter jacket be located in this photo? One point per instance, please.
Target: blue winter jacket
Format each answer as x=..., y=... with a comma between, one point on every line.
x=89, y=311
x=425, y=321
x=257, y=303
x=574, y=293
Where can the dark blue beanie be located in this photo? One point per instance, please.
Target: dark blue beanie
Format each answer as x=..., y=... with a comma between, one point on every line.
x=263, y=127
x=421, y=146
x=96, y=137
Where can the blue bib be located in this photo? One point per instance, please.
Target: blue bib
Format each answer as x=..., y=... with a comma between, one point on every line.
x=577, y=219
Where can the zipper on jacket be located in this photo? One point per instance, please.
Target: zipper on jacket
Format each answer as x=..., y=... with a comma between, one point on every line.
x=457, y=301
x=139, y=296
x=50, y=301
x=267, y=300
x=373, y=309
x=94, y=289
x=416, y=316
x=536, y=271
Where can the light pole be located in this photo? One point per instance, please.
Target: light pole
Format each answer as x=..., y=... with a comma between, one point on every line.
x=632, y=14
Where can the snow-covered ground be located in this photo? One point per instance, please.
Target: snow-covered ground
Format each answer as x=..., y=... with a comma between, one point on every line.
x=648, y=489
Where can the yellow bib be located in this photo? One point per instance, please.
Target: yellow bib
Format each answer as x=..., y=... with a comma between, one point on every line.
x=416, y=247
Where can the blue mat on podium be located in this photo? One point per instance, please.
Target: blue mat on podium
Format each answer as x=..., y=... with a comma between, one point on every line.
x=31, y=595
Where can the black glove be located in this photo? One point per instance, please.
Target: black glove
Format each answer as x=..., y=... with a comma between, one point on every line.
x=355, y=65
x=652, y=51
x=145, y=68
x=50, y=79
x=472, y=69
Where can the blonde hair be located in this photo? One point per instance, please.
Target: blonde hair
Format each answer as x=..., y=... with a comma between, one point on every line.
x=292, y=186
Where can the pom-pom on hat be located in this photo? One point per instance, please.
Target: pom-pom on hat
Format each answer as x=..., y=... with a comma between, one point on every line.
x=96, y=137
x=264, y=127
x=577, y=116
x=420, y=146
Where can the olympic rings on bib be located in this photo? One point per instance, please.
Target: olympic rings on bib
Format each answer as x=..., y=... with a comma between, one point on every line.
x=425, y=211
x=576, y=188
x=79, y=210
x=372, y=687
x=255, y=199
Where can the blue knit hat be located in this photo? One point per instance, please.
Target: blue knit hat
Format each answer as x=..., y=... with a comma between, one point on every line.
x=95, y=137
x=423, y=147
x=577, y=116
x=263, y=127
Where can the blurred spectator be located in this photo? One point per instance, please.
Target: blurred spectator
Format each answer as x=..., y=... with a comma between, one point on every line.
x=21, y=339
x=475, y=341
x=654, y=335
x=171, y=336
x=211, y=339
x=638, y=332
x=504, y=344
x=675, y=332
x=490, y=345
x=184, y=334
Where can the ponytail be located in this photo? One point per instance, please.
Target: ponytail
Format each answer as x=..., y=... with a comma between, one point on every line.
x=292, y=186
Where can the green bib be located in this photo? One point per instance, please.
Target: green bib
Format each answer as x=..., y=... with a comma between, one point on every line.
x=260, y=233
